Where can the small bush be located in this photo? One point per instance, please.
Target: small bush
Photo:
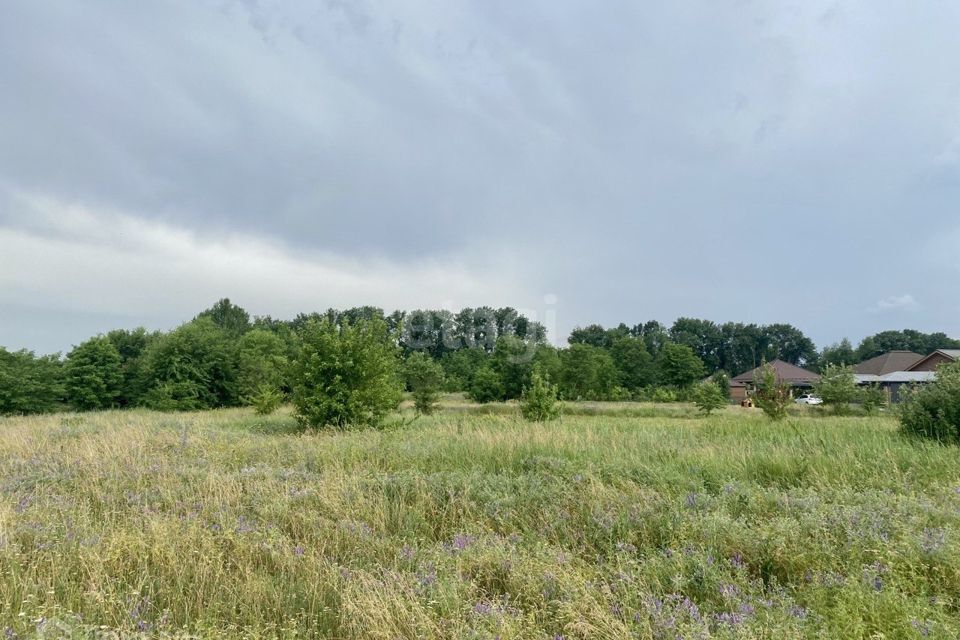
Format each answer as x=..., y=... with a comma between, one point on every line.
x=708, y=397
x=346, y=375
x=538, y=402
x=837, y=388
x=265, y=400
x=872, y=399
x=933, y=410
x=771, y=395
x=424, y=378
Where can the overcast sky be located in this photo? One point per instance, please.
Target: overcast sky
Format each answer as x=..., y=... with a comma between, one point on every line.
x=743, y=160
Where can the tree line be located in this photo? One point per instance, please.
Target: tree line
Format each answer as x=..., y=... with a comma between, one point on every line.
x=223, y=358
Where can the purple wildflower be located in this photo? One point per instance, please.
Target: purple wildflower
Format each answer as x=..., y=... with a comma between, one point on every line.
x=933, y=540
x=298, y=550
x=797, y=612
x=729, y=591
x=923, y=628
x=462, y=541
x=729, y=619
x=737, y=561
x=483, y=609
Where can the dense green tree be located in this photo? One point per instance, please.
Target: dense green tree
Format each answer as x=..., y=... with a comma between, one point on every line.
x=346, y=374
x=261, y=363
x=655, y=337
x=588, y=373
x=546, y=359
x=131, y=344
x=593, y=335
x=704, y=337
x=904, y=340
x=424, y=378
x=93, y=375
x=486, y=385
x=841, y=353
x=513, y=361
x=192, y=367
x=29, y=384
x=635, y=366
x=679, y=366
x=460, y=366
x=786, y=342
x=228, y=316
x=742, y=348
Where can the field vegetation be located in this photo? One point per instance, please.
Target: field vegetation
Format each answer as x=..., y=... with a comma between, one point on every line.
x=616, y=521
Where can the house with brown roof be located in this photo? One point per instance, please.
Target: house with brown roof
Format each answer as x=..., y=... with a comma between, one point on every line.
x=888, y=363
x=793, y=375
x=935, y=359
x=898, y=369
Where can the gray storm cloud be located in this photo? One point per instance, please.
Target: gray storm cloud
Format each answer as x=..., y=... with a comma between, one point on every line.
x=750, y=161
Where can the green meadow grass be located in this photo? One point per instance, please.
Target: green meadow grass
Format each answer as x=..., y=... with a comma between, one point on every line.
x=636, y=522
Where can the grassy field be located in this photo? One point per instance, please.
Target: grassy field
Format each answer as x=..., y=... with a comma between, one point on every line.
x=644, y=523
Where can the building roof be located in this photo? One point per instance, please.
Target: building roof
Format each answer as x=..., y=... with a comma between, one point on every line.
x=951, y=354
x=896, y=377
x=888, y=363
x=785, y=371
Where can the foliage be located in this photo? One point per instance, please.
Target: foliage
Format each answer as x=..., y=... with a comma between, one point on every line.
x=932, y=410
x=679, y=366
x=227, y=316
x=635, y=367
x=261, y=362
x=93, y=375
x=131, y=344
x=346, y=375
x=192, y=367
x=265, y=400
x=837, y=388
x=486, y=385
x=29, y=384
x=841, y=353
x=539, y=402
x=873, y=397
x=424, y=378
x=513, y=361
x=771, y=394
x=587, y=373
x=460, y=366
x=722, y=380
x=708, y=397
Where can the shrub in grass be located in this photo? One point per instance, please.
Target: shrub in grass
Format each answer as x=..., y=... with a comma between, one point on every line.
x=346, y=374
x=424, y=378
x=837, y=388
x=538, y=402
x=933, y=410
x=708, y=397
x=265, y=400
x=872, y=399
x=771, y=394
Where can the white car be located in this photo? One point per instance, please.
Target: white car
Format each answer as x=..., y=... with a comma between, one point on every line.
x=808, y=398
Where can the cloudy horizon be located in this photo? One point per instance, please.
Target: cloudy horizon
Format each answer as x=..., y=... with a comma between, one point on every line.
x=750, y=161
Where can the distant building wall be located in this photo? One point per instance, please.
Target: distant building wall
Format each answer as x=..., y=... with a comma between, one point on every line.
x=931, y=363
